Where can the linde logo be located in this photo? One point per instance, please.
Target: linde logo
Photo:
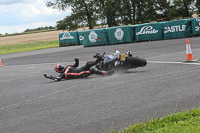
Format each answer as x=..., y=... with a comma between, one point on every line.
x=92, y=37
x=119, y=34
x=66, y=36
x=147, y=30
x=177, y=28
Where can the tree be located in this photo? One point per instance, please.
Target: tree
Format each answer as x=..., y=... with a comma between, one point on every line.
x=84, y=7
x=116, y=12
x=70, y=22
x=184, y=8
x=198, y=6
x=108, y=11
x=162, y=8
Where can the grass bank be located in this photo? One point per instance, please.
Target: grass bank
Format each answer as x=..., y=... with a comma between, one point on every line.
x=31, y=32
x=184, y=122
x=7, y=49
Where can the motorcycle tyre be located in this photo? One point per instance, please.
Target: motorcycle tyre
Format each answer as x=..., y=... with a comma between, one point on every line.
x=136, y=61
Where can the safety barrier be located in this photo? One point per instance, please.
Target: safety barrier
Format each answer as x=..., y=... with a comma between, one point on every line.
x=132, y=33
x=121, y=34
x=177, y=29
x=81, y=36
x=149, y=32
x=95, y=37
x=195, y=26
x=68, y=38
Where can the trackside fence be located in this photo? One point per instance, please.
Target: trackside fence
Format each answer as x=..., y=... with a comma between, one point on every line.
x=132, y=33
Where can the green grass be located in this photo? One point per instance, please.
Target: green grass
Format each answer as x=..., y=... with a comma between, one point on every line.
x=31, y=32
x=7, y=49
x=184, y=122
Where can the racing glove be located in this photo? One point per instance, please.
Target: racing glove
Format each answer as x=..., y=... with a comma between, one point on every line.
x=50, y=77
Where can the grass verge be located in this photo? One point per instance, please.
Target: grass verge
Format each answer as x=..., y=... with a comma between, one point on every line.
x=31, y=32
x=184, y=122
x=7, y=49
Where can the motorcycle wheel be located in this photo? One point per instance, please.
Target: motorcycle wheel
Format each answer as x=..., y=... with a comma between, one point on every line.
x=136, y=62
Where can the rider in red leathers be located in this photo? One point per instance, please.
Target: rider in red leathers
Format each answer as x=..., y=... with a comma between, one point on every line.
x=72, y=72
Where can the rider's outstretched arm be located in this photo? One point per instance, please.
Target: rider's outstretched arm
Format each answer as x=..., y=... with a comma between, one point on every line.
x=61, y=76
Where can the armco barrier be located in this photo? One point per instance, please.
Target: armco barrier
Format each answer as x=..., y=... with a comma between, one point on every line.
x=149, y=32
x=177, y=29
x=195, y=26
x=68, y=38
x=95, y=37
x=81, y=36
x=121, y=34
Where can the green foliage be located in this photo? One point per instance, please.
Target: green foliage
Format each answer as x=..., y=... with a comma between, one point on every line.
x=116, y=12
x=81, y=10
x=40, y=29
x=198, y=6
x=6, y=49
x=186, y=122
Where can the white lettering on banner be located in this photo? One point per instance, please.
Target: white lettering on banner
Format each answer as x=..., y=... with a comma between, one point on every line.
x=197, y=28
x=119, y=34
x=66, y=36
x=147, y=30
x=92, y=37
x=177, y=28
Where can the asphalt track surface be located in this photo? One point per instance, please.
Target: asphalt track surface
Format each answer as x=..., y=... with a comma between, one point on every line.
x=30, y=103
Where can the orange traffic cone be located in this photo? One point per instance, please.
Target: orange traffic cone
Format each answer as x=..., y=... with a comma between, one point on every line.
x=189, y=57
x=1, y=63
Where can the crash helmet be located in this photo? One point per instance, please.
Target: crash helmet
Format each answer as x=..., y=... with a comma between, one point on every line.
x=59, y=68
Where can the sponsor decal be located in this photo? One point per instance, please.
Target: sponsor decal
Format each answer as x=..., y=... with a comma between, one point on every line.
x=147, y=30
x=92, y=37
x=119, y=34
x=177, y=28
x=81, y=38
x=66, y=35
x=197, y=19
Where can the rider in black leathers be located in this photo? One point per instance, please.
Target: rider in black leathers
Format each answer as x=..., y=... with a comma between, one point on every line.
x=72, y=72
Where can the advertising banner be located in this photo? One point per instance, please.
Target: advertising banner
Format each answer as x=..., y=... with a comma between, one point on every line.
x=195, y=26
x=68, y=38
x=177, y=29
x=121, y=34
x=95, y=37
x=149, y=32
x=81, y=36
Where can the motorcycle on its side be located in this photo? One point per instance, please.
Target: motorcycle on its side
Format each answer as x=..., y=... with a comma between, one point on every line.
x=120, y=61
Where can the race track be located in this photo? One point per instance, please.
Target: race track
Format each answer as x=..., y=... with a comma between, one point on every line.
x=32, y=104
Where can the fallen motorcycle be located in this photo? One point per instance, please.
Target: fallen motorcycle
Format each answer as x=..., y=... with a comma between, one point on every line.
x=120, y=61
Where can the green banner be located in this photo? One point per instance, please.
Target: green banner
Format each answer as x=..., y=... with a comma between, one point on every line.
x=177, y=29
x=195, y=26
x=68, y=38
x=121, y=34
x=149, y=32
x=95, y=37
x=81, y=36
